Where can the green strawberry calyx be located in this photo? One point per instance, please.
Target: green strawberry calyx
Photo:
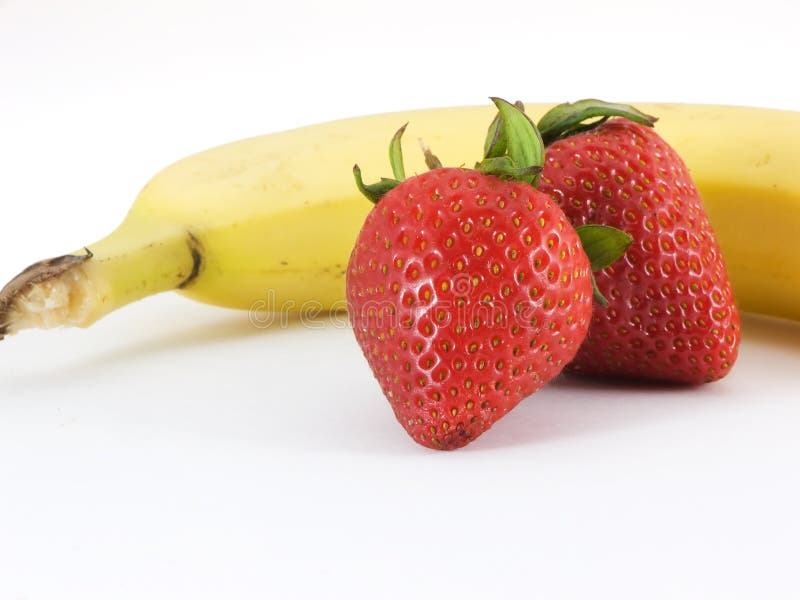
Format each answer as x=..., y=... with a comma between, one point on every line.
x=569, y=119
x=375, y=191
x=513, y=149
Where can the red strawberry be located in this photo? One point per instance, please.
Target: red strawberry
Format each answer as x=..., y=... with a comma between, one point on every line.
x=672, y=314
x=467, y=292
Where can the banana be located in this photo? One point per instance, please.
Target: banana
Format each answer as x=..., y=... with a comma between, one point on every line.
x=267, y=223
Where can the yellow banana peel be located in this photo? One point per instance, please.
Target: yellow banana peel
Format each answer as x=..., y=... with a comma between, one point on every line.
x=268, y=223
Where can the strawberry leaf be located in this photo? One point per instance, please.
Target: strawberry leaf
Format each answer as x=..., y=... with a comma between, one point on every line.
x=504, y=167
x=513, y=146
x=396, y=154
x=495, y=144
x=523, y=142
x=568, y=119
x=604, y=245
x=374, y=191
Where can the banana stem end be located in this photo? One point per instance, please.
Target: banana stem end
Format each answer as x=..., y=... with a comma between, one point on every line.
x=46, y=294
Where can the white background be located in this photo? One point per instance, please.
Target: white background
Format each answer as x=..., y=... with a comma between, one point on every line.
x=174, y=451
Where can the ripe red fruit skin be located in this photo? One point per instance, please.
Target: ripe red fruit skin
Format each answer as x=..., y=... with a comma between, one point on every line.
x=672, y=314
x=466, y=293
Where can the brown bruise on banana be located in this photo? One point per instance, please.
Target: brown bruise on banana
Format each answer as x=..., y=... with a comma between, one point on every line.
x=38, y=283
x=196, y=250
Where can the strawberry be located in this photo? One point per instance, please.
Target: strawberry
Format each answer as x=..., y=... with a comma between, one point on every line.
x=467, y=288
x=672, y=314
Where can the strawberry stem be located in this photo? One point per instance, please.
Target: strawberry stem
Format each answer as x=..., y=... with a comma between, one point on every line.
x=431, y=160
x=598, y=295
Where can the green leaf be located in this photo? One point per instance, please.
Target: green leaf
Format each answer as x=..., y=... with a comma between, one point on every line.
x=584, y=127
x=523, y=142
x=396, y=154
x=567, y=119
x=604, y=245
x=495, y=144
x=504, y=167
x=374, y=191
